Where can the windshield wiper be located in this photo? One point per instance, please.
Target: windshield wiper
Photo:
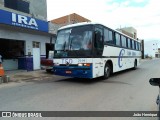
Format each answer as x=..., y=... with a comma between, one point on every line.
x=74, y=51
x=64, y=46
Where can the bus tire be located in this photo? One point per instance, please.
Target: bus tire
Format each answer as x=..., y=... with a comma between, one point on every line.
x=107, y=71
x=135, y=65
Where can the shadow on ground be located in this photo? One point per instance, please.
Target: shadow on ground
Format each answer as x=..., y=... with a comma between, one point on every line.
x=49, y=78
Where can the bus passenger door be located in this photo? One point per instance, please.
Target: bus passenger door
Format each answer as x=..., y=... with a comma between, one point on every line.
x=98, y=42
x=98, y=69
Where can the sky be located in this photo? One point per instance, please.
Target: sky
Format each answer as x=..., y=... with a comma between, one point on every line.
x=144, y=15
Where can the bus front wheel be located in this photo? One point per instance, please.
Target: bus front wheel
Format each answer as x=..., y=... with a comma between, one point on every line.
x=48, y=70
x=107, y=71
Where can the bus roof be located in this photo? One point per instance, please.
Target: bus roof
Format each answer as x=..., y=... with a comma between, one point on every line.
x=93, y=23
x=78, y=24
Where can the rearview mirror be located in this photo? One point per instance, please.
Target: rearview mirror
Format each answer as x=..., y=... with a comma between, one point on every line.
x=155, y=81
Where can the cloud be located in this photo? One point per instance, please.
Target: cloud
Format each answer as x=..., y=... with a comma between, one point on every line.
x=90, y=8
x=144, y=15
x=139, y=1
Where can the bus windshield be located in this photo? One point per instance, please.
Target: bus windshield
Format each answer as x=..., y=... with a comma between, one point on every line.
x=73, y=40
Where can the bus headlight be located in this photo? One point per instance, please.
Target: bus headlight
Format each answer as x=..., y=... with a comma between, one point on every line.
x=80, y=64
x=56, y=64
x=87, y=64
x=84, y=64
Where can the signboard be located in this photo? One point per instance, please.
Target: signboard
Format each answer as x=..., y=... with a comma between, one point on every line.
x=14, y=19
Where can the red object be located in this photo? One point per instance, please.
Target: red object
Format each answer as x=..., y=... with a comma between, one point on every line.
x=1, y=70
x=47, y=62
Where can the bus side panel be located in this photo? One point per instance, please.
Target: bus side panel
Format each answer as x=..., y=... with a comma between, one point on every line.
x=121, y=58
x=98, y=67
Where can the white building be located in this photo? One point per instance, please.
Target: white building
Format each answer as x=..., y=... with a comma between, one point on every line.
x=158, y=53
x=151, y=47
x=23, y=33
x=130, y=31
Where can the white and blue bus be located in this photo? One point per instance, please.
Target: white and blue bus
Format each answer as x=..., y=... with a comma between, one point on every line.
x=90, y=50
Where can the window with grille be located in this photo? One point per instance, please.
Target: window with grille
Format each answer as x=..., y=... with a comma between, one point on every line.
x=19, y=5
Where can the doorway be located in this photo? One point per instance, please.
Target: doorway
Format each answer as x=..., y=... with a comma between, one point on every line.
x=11, y=51
x=49, y=47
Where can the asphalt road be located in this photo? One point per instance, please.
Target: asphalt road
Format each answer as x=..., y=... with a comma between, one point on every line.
x=125, y=91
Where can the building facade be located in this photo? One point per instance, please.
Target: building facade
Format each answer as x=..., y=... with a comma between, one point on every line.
x=70, y=19
x=55, y=24
x=158, y=53
x=24, y=33
x=130, y=31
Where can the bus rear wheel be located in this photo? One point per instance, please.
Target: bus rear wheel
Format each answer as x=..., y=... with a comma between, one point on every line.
x=135, y=65
x=107, y=71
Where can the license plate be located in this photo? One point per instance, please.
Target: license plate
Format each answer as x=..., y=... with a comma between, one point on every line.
x=68, y=72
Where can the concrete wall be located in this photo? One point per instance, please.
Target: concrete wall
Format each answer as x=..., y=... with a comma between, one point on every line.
x=38, y=9
x=53, y=28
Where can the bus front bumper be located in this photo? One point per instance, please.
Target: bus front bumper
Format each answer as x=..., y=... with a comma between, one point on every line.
x=77, y=71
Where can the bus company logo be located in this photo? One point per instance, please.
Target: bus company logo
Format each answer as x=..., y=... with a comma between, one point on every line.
x=120, y=58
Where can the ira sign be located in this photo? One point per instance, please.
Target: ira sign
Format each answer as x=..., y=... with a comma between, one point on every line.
x=23, y=21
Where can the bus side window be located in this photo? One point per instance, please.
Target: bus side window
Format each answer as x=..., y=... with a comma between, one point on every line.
x=126, y=42
x=123, y=41
x=139, y=44
x=118, y=39
x=108, y=36
x=133, y=45
x=136, y=46
x=129, y=43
